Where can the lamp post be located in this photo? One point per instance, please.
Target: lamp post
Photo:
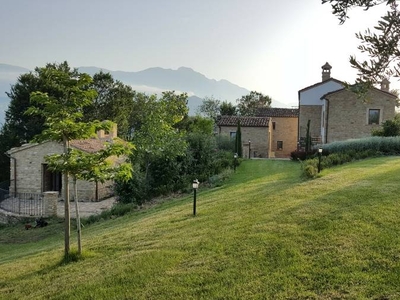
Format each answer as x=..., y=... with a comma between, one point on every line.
x=195, y=186
x=249, y=148
x=319, y=159
x=235, y=156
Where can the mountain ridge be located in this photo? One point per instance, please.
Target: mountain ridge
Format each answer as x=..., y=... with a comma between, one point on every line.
x=153, y=80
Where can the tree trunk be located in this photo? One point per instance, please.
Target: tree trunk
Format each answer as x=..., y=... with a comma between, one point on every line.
x=67, y=225
x=78, y=218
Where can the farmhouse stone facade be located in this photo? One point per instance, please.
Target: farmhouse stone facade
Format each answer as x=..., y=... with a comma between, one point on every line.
x=284, y=129
x=348, y=116
x=336, y=113
x=256, y=134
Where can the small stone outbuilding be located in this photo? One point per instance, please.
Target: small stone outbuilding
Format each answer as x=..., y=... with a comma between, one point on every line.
x=30, y=173
x=284, y=129
x=256, y=134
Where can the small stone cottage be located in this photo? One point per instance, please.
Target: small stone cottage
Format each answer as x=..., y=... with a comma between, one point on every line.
x=256, y=134
x=284, y=129
x=30, y=173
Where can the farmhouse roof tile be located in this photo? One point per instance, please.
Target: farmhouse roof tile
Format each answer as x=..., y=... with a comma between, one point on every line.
x=278, y=112
x=244, y=121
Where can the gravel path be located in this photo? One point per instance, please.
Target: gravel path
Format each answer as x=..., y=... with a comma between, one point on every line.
x=86, y=209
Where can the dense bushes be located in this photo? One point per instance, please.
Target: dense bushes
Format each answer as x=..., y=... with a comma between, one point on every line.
x=338, y=153
x=385, y=145
x=206, y=158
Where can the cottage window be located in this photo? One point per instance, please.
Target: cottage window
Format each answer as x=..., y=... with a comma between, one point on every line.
x=374, y=116
x=232, y=134
x=273, y=125
x=279, y=145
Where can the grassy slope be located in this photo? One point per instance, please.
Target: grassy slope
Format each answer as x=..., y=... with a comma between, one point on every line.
x=265, y=235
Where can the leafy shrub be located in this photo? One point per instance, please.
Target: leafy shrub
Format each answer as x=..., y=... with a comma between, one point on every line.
x=218, y=179
x=385, y=145
x=310, y=171
x=136, y=190
x=301, y=154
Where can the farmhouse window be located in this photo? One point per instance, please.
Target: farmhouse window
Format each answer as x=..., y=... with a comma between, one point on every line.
x=279, y=145
x=374, y=116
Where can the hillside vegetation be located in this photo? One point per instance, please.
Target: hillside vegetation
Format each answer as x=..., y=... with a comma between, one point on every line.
x=266, y=234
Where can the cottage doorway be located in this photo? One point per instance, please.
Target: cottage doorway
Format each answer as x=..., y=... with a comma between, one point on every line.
x=51, y=181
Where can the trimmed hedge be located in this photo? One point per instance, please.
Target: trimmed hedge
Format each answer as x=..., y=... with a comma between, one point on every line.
x=338, y=153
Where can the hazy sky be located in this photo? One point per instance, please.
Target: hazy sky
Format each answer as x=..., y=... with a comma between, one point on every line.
x=275, y=47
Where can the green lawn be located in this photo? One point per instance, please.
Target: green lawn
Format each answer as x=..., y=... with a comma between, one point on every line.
x=266, y=234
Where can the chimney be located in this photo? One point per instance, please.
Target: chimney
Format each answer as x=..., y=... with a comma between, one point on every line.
x=113, y=131
x=100, y=134
x=385, y=85
x=326, y=72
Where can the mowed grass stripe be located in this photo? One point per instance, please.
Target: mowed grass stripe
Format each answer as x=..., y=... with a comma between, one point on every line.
x=266, y=234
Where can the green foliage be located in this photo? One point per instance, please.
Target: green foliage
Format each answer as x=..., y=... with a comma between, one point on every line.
x=19, y=128
x=389, y=127
x=210, y=108
x=196, y=124
x=218, y=179
x=238, y=140
x=308, y=138
x=136, y=190
x=385, y=145
x=225, y=143
x=338, y=153
x=227, y=109
x=382, y=46
x=248, y=104
x=114, y=101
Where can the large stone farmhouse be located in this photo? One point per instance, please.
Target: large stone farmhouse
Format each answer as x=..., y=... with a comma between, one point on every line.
x=30, y=173
x=336, y=113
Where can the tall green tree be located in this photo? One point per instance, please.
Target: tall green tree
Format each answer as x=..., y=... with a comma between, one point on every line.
x=238, y=140
x=248, y=104
x=62, y=112
x=210, y=108
x=98, y=167
x=114, y=101
x=381, y=45
x=227, y=109
x=20, y=128
x=154, y=132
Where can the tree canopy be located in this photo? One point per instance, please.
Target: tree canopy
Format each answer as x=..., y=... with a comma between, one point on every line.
x=248, y=104
x=381, y=45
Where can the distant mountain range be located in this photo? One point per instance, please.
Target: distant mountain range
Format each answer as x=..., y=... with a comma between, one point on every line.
x=152, y=80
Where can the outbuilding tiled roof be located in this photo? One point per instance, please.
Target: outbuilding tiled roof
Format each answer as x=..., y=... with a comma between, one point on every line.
x=89, y=145
x=244, y=121
x=278, y=112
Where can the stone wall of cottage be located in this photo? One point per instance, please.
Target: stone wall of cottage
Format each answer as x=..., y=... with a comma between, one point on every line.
x=348, y=115
x=312, y=113
x=259, y=137
x=29, y=161
x=285, y=131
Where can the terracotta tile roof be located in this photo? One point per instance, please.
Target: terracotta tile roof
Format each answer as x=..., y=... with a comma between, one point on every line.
x=278, y=112
x=347, y=89
x=244, y=121
x=89, y=145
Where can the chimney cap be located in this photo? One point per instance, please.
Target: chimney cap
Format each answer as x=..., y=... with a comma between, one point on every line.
x=326, y=66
